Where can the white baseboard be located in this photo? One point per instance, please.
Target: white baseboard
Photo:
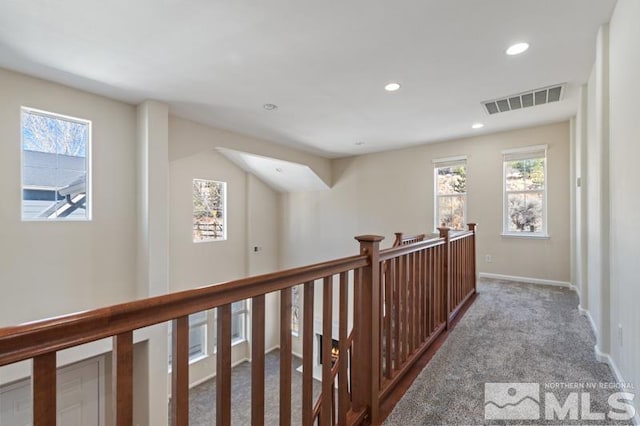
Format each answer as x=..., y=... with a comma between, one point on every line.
x=528, y=280
x=586, y=313
x=607, y=359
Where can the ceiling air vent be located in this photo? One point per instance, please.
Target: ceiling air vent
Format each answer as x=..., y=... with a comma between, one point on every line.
x=531, y=98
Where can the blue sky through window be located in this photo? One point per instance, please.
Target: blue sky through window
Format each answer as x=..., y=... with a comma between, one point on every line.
x=54, y=135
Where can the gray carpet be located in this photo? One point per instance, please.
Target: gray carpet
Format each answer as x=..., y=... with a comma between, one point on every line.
x=513, y=332
x=202, y=398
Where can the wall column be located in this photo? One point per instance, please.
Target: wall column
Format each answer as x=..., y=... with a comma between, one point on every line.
x=153, y=251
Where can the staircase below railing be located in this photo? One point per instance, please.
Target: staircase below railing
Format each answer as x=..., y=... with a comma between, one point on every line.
x=402, y=299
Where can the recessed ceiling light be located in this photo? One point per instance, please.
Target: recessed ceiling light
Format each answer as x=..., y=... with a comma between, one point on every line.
x=270, y=107
x=517, y=49
x=392, y=87
x=477, y=126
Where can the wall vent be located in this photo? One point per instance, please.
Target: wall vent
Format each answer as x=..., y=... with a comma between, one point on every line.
x=527, y=99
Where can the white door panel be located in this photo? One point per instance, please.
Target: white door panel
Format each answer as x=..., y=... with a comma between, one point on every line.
x=79, y=397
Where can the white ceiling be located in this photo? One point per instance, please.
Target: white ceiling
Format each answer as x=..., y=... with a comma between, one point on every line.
x=283, y=176
x=324, y=63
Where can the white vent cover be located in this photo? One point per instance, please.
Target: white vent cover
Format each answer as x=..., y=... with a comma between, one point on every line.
x=531, y=98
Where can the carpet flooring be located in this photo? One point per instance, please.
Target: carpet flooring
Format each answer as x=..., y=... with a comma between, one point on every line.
x=202, y=398
x=513, y=333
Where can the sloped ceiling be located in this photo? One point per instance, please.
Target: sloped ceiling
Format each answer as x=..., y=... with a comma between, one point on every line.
x=281, y=175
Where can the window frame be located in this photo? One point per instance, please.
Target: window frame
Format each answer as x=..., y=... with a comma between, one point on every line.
x=442, y=163
x=88, y=217
x=225, y=223
x=193, y=325
x=210, y=331
x=525, y=153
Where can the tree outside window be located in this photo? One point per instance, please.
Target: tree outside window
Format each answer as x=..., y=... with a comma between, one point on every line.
x=451, y=193
x=525, y=192
x=209, y=213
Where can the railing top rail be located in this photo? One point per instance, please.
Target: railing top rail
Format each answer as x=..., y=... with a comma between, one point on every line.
x=407, y=239
x=393, y=252
x=29, y=340
x=458, y=235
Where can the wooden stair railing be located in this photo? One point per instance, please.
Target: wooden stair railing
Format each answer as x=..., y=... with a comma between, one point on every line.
x=403, y=298
x=41, y=340
x=402, y=239
x=424, y=284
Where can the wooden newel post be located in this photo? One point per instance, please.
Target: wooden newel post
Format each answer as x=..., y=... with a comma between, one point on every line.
x=472, y=228
x=367, y=330
x=444, y=233
x=398, y=241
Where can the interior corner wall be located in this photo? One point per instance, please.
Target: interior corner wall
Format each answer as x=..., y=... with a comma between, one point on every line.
x=263, y=238
x=252, y=221
x=598, y=192
x=581, y=207
x=392, y=192
x=624, y=152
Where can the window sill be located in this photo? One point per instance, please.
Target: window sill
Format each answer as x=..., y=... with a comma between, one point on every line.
x=526, y=236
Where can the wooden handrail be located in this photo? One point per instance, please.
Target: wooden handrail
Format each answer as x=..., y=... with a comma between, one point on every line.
x=402, y=250
x=403, y=298
x=29, y=340
x=402, y=239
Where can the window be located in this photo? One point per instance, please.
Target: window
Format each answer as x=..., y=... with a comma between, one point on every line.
x=238, y=321
x=202, y=329
x=209, y=210
x=525, y=193
x=197, y=336
x=55, y=166
x=450, y=178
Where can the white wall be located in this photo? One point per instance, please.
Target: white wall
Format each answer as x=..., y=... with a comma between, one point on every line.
x=598, y=190
x=208, y=138
x=52, y=268
x=392, y=192
x=252, y=220
x=607, y=150
x=579, y=181
x=624, y=69
x=263, y=224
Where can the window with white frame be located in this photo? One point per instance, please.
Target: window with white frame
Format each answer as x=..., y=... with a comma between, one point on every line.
x=525, y=191
x=209, y=210
x=238, y=323
x=55, y=166
x=450, y=192
x=197, y=336
x=202, y=329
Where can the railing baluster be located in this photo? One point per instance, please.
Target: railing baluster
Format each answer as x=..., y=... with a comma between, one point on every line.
x=180, y=371
x=44, y=390
x=402, y=289
x=122, y=370
x=327, y=344
x=223, y=367
x=410, y=301
x=307, y=355
x=388, y=308
x=343, y=349
x=395, y=271
x=257, y=359
x=285, y=357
